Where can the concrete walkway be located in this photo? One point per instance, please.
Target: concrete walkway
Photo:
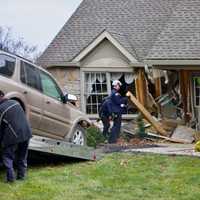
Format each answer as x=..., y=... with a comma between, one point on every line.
x=169, y=149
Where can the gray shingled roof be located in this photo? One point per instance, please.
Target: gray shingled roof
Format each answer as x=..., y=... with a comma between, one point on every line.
x=180, y=38
x=134, y=23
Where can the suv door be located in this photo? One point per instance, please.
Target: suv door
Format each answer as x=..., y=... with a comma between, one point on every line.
x=56, y=115
x=32, y=90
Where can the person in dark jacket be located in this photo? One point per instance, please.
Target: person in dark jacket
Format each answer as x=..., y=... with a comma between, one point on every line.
x=15, y=133
x=118, y=104
x=105, y=115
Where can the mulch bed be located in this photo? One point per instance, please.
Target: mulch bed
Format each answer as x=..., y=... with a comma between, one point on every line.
x=121, y=145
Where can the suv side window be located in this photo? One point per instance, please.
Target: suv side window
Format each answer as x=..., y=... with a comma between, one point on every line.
x=49, y=86
x=29, y=75
x=7, y=65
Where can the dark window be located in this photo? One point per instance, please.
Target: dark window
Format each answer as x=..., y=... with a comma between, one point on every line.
x=7, y=65
x=196, y=81
x=30, y=75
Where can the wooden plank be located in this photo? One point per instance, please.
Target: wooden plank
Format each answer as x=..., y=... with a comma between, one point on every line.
x=141, y=87
x=158, y=137
x=146, y=114
x=184, y=87
x=168, y=139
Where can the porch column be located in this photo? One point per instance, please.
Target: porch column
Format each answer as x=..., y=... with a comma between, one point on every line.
x=184, y=89
x=141, y=87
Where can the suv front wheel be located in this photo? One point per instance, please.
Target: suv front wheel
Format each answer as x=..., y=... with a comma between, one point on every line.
x=79, y=136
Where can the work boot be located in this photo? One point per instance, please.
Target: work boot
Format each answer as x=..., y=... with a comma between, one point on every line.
x=21, y=174
x=10, y=176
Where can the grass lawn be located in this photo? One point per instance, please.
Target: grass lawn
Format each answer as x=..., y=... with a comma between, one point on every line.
x=117, y=176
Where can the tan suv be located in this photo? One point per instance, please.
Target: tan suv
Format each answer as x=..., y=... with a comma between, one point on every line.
x=50, y=112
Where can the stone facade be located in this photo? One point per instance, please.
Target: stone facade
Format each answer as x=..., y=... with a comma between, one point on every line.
x=69, y=79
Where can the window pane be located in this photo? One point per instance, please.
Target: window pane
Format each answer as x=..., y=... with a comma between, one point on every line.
x=49, y=87
x=197, y=101
x=95, y=89
x=7, y=65
x=30, y=75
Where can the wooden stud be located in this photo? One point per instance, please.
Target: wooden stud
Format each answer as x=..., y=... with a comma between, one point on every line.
x=141, y=87
x=184, y=87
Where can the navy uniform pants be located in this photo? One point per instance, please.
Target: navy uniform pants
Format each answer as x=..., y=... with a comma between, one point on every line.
x=20, y=151
x=115, y=131
x=106, y=125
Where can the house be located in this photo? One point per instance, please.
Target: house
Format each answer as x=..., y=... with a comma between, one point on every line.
x=177, y=49
x=122, y=39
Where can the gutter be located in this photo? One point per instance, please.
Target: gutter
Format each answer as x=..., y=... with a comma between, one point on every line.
x=64, y=64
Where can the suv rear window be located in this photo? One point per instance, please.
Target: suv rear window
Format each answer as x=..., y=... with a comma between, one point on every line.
x=7, y=65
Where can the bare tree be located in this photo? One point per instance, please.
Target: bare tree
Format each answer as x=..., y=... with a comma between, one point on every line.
x=16, y=46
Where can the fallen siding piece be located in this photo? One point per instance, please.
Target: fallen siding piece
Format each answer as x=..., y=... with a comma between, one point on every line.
x=169, y=139
x=184, y=133
x=146, y=114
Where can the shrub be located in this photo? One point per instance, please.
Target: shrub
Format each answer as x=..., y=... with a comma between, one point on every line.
x=94, y=136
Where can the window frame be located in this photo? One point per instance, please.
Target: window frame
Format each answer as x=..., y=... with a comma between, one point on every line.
x=56, y=85
x=13, y=72
x=85, y=94
x=25, y=83
x=194, y=90
x=108, y=78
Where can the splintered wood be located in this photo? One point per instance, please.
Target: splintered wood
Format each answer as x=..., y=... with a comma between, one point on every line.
x=157, y=125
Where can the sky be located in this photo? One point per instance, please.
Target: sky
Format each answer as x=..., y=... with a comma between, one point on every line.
x=37, y=21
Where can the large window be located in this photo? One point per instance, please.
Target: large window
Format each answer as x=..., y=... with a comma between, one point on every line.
x=98, y=85
x=7, y=65
x=29, y=75
x=96, y=88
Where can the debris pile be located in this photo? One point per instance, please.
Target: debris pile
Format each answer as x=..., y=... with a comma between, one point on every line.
x=159, y=129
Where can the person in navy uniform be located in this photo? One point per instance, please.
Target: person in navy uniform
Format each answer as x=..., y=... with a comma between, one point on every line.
x=118, y=105
x=105, y=115
x=15, y=133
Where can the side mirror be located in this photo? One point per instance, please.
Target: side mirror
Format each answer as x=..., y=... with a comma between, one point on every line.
x=70, y=98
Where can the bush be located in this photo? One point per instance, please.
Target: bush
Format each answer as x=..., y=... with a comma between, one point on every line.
x=94, y=136
x=197, y=146
x=141, y=127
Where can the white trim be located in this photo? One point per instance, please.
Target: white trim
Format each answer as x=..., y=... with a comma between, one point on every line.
x=100, y=38
x=82, y=88
x=64, y=64
x=173, y=62
x=105, y=69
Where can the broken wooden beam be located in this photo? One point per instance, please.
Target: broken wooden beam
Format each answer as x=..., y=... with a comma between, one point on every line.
x=181, y=141
x=146, y=114
x=168, y=138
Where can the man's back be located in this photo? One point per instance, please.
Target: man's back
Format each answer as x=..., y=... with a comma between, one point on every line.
x=14, y=124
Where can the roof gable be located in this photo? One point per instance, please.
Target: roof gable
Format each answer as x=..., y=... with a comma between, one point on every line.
x=135, y=24
x=98, y=40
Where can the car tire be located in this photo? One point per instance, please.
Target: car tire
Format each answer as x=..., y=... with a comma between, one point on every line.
x=78, y=136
